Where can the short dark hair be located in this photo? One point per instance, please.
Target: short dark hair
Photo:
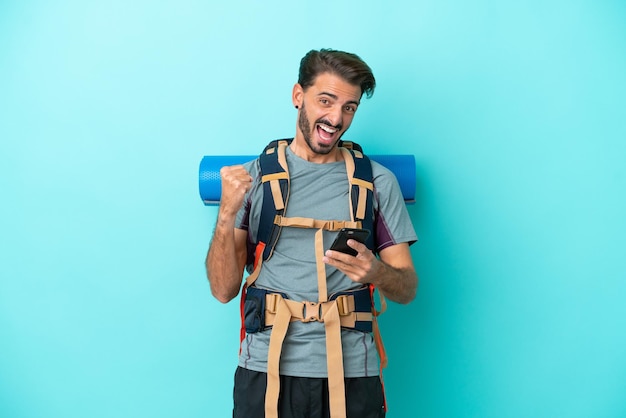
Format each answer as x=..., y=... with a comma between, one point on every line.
x=344, y=64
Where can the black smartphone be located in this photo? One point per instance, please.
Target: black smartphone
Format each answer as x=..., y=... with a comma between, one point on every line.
x=341, y=242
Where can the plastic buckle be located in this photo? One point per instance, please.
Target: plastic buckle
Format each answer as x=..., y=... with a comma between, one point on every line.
x=312, y=312
x=343, y=305
x=271, y=302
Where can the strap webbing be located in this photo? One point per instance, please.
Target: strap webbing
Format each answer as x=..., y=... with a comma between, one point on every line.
x=322, y=290
x=361, y=184
x=310, y=223
x=273, y=360
x=378, y=339
x=334, y=364
x=362, y=205
x=327, y=312
x=282, y=156
x=310, y=311
x=277, y=194
x=274, y=178
x=347, y=156
x=255, y=273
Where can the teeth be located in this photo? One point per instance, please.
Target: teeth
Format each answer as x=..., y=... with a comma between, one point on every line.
x=328, y=129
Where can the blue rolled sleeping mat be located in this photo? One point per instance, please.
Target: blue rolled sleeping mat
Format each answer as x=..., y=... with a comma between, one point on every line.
x=403, y=166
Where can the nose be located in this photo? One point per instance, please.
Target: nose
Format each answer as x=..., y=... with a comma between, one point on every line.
x=335, y=115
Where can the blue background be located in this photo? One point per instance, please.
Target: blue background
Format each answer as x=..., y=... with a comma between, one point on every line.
x=515, y=112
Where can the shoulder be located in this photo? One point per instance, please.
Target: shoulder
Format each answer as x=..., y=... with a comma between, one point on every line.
x=252, y=164
x=381, y=174
x=387, y=192
x=253, y=167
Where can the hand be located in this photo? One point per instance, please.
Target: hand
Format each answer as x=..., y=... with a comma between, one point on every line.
x=358, y=268
x=393, y=273
x=236, y=182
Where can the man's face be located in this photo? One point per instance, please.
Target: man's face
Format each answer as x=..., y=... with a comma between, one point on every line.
x=326, y=111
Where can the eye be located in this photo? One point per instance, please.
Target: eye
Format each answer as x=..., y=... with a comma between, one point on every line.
x=324, y=101
x=350, y=108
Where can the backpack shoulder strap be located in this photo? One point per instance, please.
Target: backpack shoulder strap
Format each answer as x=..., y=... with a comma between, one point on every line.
x=275, y=180
x=350, y=145
x=361, y=179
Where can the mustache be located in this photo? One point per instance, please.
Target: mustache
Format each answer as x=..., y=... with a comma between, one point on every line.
x=327, y=122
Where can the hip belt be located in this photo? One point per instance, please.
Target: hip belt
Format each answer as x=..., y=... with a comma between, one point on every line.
x=351, y=309
x=354, y=308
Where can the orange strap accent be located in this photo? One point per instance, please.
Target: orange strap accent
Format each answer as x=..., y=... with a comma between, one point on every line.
x=383, y=301
x=258, y=261
x=379, y=344
x=258, y=253
x=242, y=330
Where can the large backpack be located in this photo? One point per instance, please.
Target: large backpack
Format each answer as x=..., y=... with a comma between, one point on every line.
x=261, y=309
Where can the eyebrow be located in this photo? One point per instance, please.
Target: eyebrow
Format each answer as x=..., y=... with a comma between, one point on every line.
x=334, y=96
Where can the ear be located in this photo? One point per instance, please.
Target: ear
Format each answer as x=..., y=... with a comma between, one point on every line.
x=297, y=95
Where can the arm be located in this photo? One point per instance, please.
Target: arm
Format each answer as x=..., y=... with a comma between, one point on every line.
x=226, y=257
x=393, y=274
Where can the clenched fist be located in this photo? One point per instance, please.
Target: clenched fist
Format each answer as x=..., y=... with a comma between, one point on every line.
x=236, y=181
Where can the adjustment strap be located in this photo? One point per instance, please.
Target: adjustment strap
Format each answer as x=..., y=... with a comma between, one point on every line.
x=282, y=158
x=298, y=222
x=347, y=157
x=254, y=275
x=363, y=185
x=258, y=261
x=382, y=355
x=380, y=347
x=327, y=312
x=334, y=364
x=383, y=302
x=274, y=180
x=322, y=289
x=378, y=339
x=277, y=337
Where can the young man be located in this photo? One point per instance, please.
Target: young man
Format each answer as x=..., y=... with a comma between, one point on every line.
x=308, y=365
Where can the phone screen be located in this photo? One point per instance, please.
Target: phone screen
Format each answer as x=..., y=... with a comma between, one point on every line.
x=341, y=242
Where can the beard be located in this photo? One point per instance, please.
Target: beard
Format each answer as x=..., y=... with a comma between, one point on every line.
x=307, y=133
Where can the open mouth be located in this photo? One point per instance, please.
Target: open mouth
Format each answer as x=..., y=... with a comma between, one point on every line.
x=326, y=133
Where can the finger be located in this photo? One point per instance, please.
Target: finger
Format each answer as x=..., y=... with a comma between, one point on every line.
x=236, y=172
x=236, y=177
